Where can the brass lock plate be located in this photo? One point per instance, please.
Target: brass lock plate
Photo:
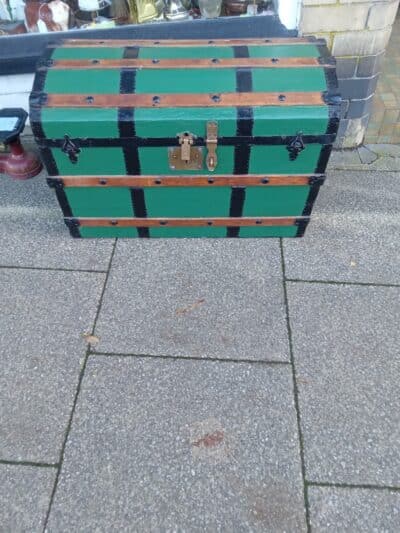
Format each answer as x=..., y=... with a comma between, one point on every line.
x=185, y=156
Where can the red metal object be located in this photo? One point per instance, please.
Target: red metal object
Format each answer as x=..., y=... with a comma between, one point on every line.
x=18, y=163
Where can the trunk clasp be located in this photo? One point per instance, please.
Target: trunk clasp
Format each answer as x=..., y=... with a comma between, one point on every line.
x=186, y=156
x=211, y=143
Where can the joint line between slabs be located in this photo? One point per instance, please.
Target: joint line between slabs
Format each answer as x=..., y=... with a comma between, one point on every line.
x=78, y=389
x=52, y=269
x=28, y=463
x=188, y=358
x=295, y=390
x=362, y=486
x=351, y=283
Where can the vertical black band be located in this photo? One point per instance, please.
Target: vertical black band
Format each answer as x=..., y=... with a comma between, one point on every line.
x=245, y=119
x=63, y=200
x=126, y=118
x=323, y=159
x=238, y=196
x=139, y=209
x=312, y=196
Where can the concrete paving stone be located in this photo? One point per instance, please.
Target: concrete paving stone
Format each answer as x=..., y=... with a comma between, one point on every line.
x=33, y=234
x=346, y=343
x=354, y=234
x=179, y=445
x=202, y=298
x=25, y=493
x=367, y=156
x=344, y=159
x=349, y=510
x=43, y=317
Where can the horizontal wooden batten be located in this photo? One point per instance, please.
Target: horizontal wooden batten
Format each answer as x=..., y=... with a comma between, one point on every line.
x=186, y=222
x=105, y=43
x=185, y=181
x=237, y=62
x=182, y=100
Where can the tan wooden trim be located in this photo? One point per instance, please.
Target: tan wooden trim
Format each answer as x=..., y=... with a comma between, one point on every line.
x=175, y=222
x=106, y=43
x=185, y=100
x=215, y=180
x=213, y=63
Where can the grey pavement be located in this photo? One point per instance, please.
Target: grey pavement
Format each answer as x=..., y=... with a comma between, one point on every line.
x=187, y=385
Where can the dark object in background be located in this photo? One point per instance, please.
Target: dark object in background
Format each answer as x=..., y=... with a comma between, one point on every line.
x=17, y=163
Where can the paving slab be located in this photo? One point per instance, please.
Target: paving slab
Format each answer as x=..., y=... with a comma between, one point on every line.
x=349, y=510
x=354, y=234
x=202, y=298
x=33, y=234
x=346, y=343
x=181, y=445
x=43, y=317
x=25, y=493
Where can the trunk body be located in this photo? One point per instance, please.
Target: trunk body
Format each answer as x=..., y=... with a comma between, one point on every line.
x=186, y=138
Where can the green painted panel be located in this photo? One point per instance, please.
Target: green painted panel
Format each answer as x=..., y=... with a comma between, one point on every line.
x=83, y=81
x=167, y=122
x=191, y=52
x=275, y=160
x=185, y=81
x=311, y=120
x=88, y=53
x=268, y=231
x=275, y=201
x=92, y=161
x=187, y=233
x=187, y=202
x=101, y=232
x=289, y=79
x=97, y=202
x=155, y=161
x=79, y=122
x=284, y=50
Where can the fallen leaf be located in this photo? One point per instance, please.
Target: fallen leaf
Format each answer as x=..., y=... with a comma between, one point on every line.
x=91, y=339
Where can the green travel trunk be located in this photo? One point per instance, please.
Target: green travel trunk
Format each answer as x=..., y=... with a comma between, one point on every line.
x=224, y=138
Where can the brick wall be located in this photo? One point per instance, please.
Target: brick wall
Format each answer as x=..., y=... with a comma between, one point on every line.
x=357, y=32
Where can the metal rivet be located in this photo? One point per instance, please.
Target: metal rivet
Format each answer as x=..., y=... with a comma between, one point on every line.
x=103, y=182
x=281, y=97
x=258, y=221
x=265, y=180
x=274, y=60
x=215, y=98
x=214, y=60
x=101, y=42
x=89, y=99
x=156, y=42
x=157, y=182
x=209, y=223
x=156, y=100
x=163, y=222
x=210, y=180
x=95, y=61
x=114, y=222
x=210, y=42
x=155, y=61
x=267, y=40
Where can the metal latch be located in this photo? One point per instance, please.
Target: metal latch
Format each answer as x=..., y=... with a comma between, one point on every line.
x=211, y=142
x=71, y=149
x=296, y=146
x=185, y=156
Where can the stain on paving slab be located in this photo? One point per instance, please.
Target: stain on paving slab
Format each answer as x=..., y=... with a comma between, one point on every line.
x=202, y=298
x=25, y=493
x=181, y=445
x=346, y=343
